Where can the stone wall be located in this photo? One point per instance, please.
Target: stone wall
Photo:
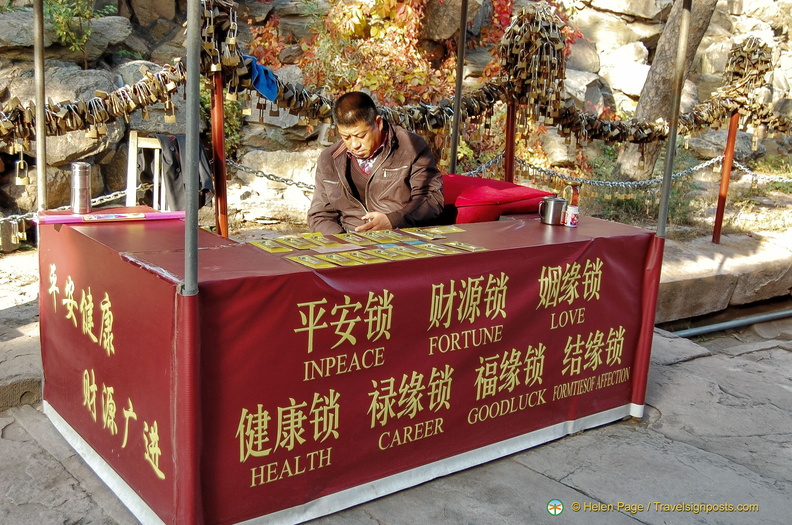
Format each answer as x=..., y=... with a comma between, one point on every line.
x=605, y=70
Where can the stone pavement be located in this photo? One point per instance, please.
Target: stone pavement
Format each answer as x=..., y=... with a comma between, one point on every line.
x=717, y=431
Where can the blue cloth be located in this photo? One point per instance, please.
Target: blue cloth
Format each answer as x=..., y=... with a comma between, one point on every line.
x=263, y=79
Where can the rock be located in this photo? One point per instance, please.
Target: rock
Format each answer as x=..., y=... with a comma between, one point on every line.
x=58, y=188
x=634, y=52
x=147, y=11
x=718, y=277
x=648, y=9
x=266, y=198
x=16, y=37
x=114, y=170
x=583, y=56
x=442, y=18
x=712, y=143
x=609, y=31
x=558, y=152
x=290, y=54
x=751, y=27
x=586, y=89
x=163, y=29
x=255, y=12
x=292, y=15
x=130, y=73
x=169, y=50
x=67, y=82
x=713, y=59
x=476, y=60
x=628, y=77
x=16, y=30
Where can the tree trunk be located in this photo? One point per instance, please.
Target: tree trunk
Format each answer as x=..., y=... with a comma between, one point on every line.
x=656, y=96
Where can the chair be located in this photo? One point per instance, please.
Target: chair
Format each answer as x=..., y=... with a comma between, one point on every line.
x=136, y=142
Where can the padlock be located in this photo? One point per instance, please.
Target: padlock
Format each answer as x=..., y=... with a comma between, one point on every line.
x=22, y=178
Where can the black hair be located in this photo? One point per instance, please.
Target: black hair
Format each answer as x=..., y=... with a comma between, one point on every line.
x=354, y=107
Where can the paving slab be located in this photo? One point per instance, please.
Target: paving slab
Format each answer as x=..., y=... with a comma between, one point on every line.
x=503, y=492
x=37, y=486
x=631, y=464
x=668, y=348
x=737, y=407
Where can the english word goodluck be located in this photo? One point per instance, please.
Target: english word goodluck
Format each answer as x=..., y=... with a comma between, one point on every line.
x=290, y=467
x=505, y=407
x=344, y=363
x=567, y=318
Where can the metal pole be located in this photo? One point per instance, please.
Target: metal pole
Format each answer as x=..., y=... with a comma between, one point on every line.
x=192, y=88
x=460, y=73
x=41, y=124
x=679, y=80
x=726, y=167
x=734, y=323
x=187, y=379
x=511, y=139
x=218, y=154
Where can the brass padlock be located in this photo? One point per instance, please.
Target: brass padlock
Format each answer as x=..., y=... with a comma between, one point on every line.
x=22, y=178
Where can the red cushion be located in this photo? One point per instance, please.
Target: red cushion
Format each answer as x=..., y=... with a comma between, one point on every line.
x=481, y=200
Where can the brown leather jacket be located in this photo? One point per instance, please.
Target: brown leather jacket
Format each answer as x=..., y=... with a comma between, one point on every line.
x=405, y=185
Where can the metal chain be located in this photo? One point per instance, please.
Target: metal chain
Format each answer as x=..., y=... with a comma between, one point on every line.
x=98, y=201
x=270, y=176
x=546, y=172
x=758, y=176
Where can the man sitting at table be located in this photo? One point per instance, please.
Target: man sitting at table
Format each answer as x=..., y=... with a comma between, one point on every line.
x=378, y=176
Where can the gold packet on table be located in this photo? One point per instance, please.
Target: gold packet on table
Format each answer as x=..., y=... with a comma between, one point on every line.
x=354, y=238
x=396, y=235
x=465, y=246
x=268, y=245
x=450, y=228
x=437, y=248
x=424, y=233
x=321, y=240
x=298, y=243
x=410, y=252
x=310, y=261
x=387, y=253
x=383, y=236
x=365, y=257
x=339, y=259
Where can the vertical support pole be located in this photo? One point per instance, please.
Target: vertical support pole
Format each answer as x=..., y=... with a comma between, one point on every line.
x=187, y=388
x=41, y=123
x=679, y=82
x=643, y=348
x=726, y=167
x=654, y=261
x=218, y=154
x=460, y=73
x=511, y=139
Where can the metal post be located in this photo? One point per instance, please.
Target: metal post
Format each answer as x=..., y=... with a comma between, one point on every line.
x=186, y=390
x=218, y=154
x=460, y=73
x=726, y=167
x=511, y=139
x=41, y=123
x=679, y=81
x=192, y=88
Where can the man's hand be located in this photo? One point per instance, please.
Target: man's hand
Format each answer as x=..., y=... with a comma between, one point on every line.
x=374, y=221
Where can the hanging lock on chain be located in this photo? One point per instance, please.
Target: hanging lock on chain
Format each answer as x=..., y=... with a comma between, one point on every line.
x=22, y=178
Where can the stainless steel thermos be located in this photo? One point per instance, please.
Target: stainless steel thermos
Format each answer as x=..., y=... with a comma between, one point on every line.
x=81, y=187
